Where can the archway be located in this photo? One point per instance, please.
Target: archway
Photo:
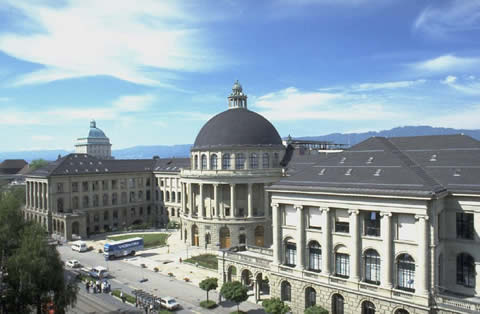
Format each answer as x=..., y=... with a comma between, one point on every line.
x=195, y=239
x=231, y=273
x=224, y=238
x=259, y=236
x=246, y=278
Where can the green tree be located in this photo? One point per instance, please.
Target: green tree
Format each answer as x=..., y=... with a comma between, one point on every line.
x=275, y=306
x=11, y=225
x=208, y=284
x=37, y=164
x=315, y=309
x=36, y=276
x=234, y=291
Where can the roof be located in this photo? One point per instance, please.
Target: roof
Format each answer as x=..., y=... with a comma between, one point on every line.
x=408, y=166
x=81, y=164
x=171, y=165
x=237, y=127
x=13, y=163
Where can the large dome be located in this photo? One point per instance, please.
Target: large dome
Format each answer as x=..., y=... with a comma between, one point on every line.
x=237, y=127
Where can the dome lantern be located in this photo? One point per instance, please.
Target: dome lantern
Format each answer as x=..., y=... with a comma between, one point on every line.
x=237, y=98
x=93, y=124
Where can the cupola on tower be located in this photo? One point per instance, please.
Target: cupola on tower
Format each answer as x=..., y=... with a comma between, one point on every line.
x=95, y=144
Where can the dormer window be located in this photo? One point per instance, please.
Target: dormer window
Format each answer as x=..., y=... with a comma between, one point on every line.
x=370, y=160
x=378, y=172
x=343, y=160
x=457, y=172
x=349, y=172
x=322, y=172
x=434, y=157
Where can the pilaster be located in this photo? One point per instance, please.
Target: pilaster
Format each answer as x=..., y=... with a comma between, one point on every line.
x=300, y=238
x=386, y=266
x=326, y=241
x=276, y=228
x=421, y=274
x=232, y=200
x=250, y=196
x=355, y=248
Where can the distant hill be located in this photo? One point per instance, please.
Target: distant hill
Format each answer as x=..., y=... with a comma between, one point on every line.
x=354, y=138
x=183, y=150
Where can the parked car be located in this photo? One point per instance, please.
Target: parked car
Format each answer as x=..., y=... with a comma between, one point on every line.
x=73, y=263
x=99, y=272
x=79, y=246
x=169, y=303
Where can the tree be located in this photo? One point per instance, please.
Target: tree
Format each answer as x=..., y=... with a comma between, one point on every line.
x=11, y=225
x=315, y=309
x=208, y=284
x=275, y=306
x=234, y=291
x=37, y=164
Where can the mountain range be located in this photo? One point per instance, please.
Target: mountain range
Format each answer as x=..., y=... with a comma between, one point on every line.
x=183, y=150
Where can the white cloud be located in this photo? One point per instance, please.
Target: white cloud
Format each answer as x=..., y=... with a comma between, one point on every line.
x=449, y=79
x=292, y=104
x=133, y=103
x=442, y=20
x=464, y=118
x=118, y=38
x=471, y=87
x=447, y=63
x=387, y=85
x=42, y=138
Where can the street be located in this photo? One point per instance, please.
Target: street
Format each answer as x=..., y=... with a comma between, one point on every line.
x=127, y=277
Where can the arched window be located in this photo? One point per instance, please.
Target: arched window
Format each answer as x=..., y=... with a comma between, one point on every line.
x=253, y=161
x=226, y=161
x=290, y=252
x=173, y=196
x=213, y=162
x=465, y=270
x=405, y=272
x=286, y=291
x=315, y=256
x=310, y=297
x=195, y=159
x=95, y=200
x=275, y=160
x=266, y=160
x=105, y=199
x=368, y=307
x=60, y=205
x=204, y=162
x=105, y=215
x=401, y=311
x=114, y=198
x=337, y=304
x=372, y=267
x=239, y=161
x=242, y=239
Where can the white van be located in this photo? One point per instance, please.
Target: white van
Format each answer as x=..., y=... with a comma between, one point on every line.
x=79, y=246
x=99, y=272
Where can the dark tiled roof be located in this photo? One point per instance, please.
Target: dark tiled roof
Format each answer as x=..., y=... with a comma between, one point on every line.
x=81, y=164
x=423, y=165
x=171, y=165
x=13, y=164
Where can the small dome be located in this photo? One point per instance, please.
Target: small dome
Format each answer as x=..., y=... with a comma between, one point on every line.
x=94, y=131
x=240, y=127
x=237, y=88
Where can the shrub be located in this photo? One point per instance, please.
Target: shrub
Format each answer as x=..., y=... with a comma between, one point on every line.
x=155, y=269
x=100, y=251
x=275, y=306
x=234, y=291
x=186, y=279
x=208, y=304
x=208, y=284
x=170, y=274
x=143, y=265
x=90, y=248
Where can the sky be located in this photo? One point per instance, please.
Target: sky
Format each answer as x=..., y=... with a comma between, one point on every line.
x=153, y=72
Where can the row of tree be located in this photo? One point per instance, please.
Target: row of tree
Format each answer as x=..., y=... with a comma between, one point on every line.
x=236, y=292
x=32, y=275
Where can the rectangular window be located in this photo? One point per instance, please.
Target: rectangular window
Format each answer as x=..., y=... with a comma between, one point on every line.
x=74, y=186
x=84, y=186
x=342, y=221
x=114, y=184
x=60, y=187
x=290, y=254
x=132, y=212
x=315, y=218
x=290, y=215
x=372, y=224
x=131, y=183
x=104, y=185
x=465, y=229
x=123, y=184
x=406, y=229
x=95, y=186
x=342, y=265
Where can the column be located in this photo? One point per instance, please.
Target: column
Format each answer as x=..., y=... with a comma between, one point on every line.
x=387, y=263
x=354, y=256
x=170, y=189
x=326, y=241
x=250, y=209
x=35, y=203
x=200, y=206
x=232, y=200
x=276, y=229
x=300, y=238
x=256, y=289
x=421, y=276
x=184, y=199
x=190, y=199
x=27, y=194
x=266, y=207
x=215, y=199
x=164, y=190
x=477, y=279
x=47, y=197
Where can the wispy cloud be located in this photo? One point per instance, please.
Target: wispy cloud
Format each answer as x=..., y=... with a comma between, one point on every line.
x=442, y=20
x=447, y=63
x=471, y=86
x=468, y=117
x=387, y=85
x=133, y=103
x=118, y=38
x=42, y=138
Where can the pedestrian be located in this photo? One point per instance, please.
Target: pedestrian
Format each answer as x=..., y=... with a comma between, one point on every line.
x=87, y=286
x=94, y=289
x=122, y=297
x=180, y=260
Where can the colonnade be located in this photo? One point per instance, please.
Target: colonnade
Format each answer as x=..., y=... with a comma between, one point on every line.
x=37, y=195
x=355, y=247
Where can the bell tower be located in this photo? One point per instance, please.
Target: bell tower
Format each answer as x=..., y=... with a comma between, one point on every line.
x=237, y=98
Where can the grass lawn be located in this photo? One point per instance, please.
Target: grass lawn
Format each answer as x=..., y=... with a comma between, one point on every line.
x=205, y=260
x=149, y=240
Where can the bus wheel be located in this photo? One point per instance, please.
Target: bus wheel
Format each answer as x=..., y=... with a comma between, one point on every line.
x=132, y=253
